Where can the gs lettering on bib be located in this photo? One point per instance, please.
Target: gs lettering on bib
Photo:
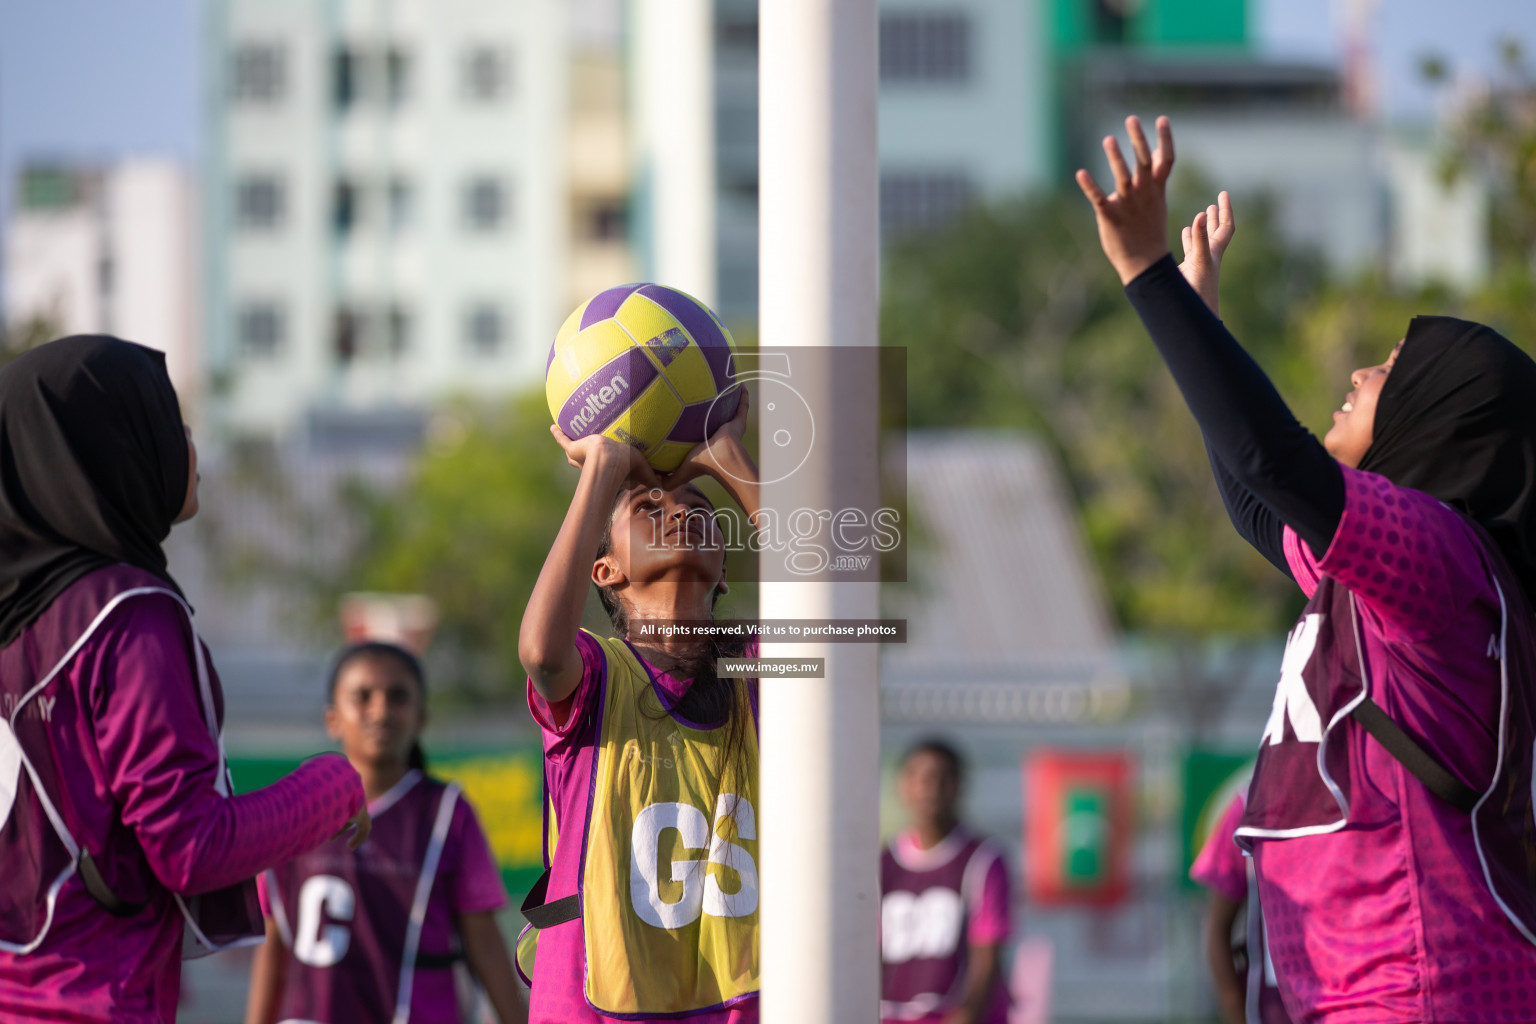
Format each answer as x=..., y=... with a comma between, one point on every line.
x=669, y=878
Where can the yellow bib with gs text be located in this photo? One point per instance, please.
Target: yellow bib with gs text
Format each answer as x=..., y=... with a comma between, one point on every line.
x=669, y=884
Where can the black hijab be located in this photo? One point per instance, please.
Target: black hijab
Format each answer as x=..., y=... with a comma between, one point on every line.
x=93, y=468
x=1457, y=420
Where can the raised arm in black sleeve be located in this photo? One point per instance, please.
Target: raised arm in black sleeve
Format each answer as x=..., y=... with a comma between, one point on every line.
x=1247, y=425
x=1255, y=521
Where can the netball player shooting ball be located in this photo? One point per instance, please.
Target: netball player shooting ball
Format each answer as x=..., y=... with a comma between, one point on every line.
x=1389, y=816
x=372, y=934
x=650, y=760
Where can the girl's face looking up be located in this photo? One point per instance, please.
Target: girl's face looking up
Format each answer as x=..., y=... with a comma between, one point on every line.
x=376, y=710
x=1354, y=423
x=662, y=536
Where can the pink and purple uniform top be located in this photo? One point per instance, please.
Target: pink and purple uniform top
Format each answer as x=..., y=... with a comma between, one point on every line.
x=935, y=905
x=345, y=915
x=1381, y=903
x=570, y=733
x=140, y=788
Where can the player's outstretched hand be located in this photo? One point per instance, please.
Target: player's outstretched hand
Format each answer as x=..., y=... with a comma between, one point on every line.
x=596, y=447
x=1133, y=220
x=1205, y=242
x=360, y=824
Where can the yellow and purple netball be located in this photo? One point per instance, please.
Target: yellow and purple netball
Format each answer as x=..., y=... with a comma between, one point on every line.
x=643, y=364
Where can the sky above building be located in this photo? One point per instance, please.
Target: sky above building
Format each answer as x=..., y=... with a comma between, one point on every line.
x=94, y=79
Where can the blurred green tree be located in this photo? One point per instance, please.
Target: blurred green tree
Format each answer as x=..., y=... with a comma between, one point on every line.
x=1013, y=318
x=1491, y=128
x=470, y=528
x=18, y=337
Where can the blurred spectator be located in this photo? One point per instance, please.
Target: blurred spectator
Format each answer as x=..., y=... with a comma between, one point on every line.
x=944, y=908
x=1223, y=870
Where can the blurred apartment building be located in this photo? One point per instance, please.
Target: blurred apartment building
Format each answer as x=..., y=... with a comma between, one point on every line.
x=982, y=100
x=108, y=248
x=964, y=116
x=387, y=210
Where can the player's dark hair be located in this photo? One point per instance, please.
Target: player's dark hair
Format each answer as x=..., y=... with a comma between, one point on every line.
x=940, y=748
x=710, y=700
x=417, y=758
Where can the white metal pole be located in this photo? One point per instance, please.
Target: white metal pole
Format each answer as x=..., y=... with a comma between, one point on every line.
x=674, y=88
x=819, y=820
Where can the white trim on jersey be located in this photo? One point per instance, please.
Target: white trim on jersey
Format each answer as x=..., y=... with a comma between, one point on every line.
x=1498, y=770
x=279, y=912
x=445, y=809
x=392, y=795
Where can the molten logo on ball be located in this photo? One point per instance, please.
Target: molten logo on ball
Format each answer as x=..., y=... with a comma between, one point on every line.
x=596, y=402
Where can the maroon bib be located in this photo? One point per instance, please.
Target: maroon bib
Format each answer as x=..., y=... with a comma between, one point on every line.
x=38, y=833
x=1302, y=777
x=924, y=919
x=351, y=919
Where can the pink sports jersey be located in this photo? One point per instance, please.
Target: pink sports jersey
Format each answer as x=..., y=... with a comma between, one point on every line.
x=1388, y=918
x=1220, y=865
x=141, y=797
x=570, y=736
x=363, y=982
x=981, y=881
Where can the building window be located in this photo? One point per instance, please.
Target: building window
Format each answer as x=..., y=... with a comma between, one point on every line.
x=402, y=205
x=397, y=77
x=258, y=73
x=736, y=32
x=259, y=202
x=925, y=48
x=261, y=330
x=605, y=220
x=346, y=77
x=346, y=209
x=485, y=74
x=485, y=329
x=347, y=334
x=485, y=204
x=400, y=324
x=918, y=203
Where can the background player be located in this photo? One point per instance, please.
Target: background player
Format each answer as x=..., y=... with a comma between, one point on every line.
x=115, y=807
x=945, y=902
x=1245, y=985
x=1390, y=814
x=372, y=934
x=646, y=748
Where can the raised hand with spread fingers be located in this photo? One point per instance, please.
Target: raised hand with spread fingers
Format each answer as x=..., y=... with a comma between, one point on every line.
x=1133, y=220
x=1205, y=242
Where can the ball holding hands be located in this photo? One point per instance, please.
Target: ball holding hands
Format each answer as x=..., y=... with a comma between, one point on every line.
x=598, y=448
x=1133, y=220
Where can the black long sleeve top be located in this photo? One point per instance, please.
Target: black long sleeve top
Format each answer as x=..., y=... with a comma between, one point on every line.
x=1272, y=472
